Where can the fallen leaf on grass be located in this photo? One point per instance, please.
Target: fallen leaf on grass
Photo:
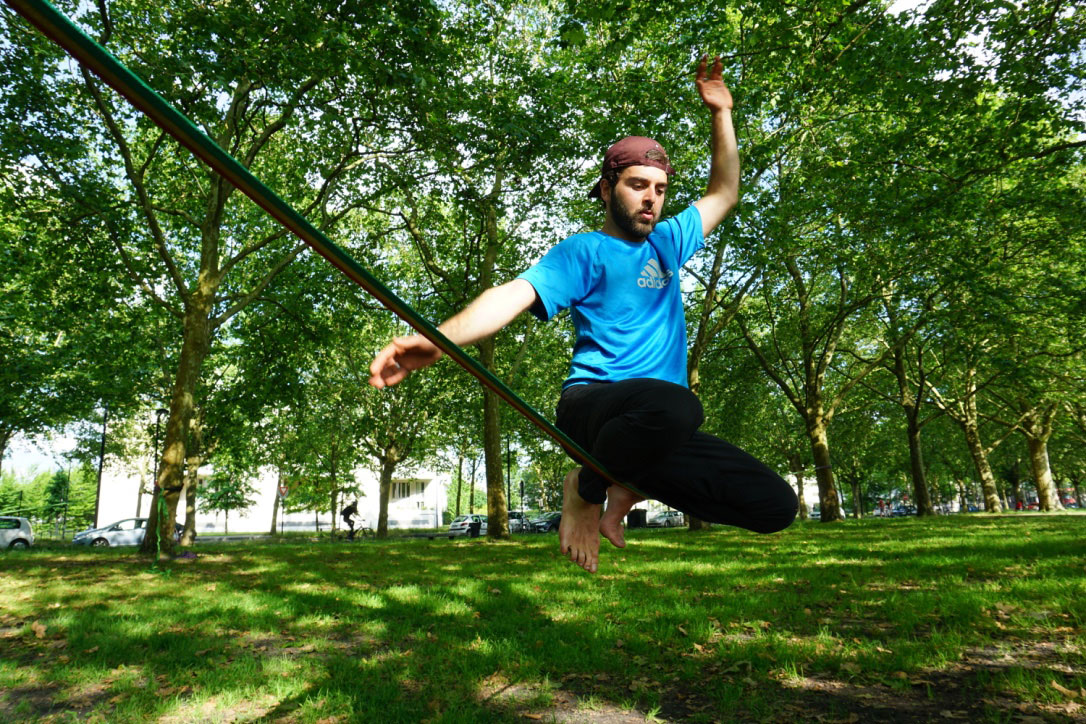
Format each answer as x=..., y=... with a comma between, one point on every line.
x=495, y=591
x=38, y=629
x=1064, y=690
x=91, y=650
x=682, y=631
x=851, y=667
x=533, y=716
x=619, y=644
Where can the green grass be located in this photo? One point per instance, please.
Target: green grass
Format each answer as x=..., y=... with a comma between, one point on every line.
x=969, y=617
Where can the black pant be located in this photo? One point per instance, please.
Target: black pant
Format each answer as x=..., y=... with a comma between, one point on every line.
x=645, y=431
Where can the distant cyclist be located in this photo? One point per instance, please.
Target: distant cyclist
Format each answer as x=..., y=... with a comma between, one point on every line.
x=348, y=514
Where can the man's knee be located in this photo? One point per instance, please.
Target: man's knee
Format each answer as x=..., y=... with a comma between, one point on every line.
x=778, y=511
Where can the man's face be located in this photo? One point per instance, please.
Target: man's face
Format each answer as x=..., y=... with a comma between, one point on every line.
x=636, y=201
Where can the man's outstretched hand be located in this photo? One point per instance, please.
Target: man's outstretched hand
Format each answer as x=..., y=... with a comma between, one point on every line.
x=400, y=358
x=711, y=86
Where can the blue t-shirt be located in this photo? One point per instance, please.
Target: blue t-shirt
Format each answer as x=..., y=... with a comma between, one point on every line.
x=624, y=299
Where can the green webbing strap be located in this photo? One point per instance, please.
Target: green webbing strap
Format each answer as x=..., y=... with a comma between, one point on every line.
x=94, y=57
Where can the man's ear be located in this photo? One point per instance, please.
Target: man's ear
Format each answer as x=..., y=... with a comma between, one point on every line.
x=605, y=191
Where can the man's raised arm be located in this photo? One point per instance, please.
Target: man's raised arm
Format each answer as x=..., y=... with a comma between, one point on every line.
x=723, y=191
x=491, y=310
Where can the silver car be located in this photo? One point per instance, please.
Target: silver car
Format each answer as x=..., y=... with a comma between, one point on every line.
x=15, y=532
x=666, y=519
x=127, y=532
x=518, y=522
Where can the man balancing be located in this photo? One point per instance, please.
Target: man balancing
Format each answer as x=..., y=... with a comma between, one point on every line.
x=626, y=400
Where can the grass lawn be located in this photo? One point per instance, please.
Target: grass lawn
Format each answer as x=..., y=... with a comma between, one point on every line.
x=969, y=618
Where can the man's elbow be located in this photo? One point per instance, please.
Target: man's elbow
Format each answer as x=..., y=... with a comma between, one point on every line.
x=715, y=208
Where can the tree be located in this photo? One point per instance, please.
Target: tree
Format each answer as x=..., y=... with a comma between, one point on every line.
x=290, y=103
x=227, y=491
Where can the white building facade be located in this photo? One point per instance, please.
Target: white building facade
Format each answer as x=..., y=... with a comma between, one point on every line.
x=417, y=501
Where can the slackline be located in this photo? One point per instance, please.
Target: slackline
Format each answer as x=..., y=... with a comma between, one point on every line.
x=58, y=28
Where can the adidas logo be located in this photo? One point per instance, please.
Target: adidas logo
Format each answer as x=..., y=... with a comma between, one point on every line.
x=653, y=277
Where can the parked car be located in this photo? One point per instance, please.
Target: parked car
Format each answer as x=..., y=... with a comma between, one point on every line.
x=15, y=532
x=547, y=522
x=903, y=510
x=127, y=532
x=462, y=525
x=518, y=521
x=666, y=519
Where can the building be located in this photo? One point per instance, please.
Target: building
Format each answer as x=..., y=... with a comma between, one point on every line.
x=418, y=501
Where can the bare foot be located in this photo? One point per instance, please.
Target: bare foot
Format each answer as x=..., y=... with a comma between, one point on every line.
x=619, y=502
x=579, y=531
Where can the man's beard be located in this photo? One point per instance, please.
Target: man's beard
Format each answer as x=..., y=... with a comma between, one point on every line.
x=628, y=221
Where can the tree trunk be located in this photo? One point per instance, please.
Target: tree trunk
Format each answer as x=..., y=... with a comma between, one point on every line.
x=459, y=480
x=188, y=535
x=980, y=462
x=1047, y=497
x=471, y=487
x=143, y=486
x=1036, y=426
x=496, y=506
x=795, y=466
x=1014, y=480
x=193, y=461
x=334, y=491
x=6, y=433
x=857, y=501
x=388, y=466
x=194, y=347
x=275, y=503
x=829, y=507
x=921, y=495
x=911, y=405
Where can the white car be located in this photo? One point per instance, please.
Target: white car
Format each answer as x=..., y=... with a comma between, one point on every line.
x=666, y=519
x=15, y=532
x=462, y=525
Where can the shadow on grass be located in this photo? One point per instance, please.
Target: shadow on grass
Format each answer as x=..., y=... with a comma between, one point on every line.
x=876, y=620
